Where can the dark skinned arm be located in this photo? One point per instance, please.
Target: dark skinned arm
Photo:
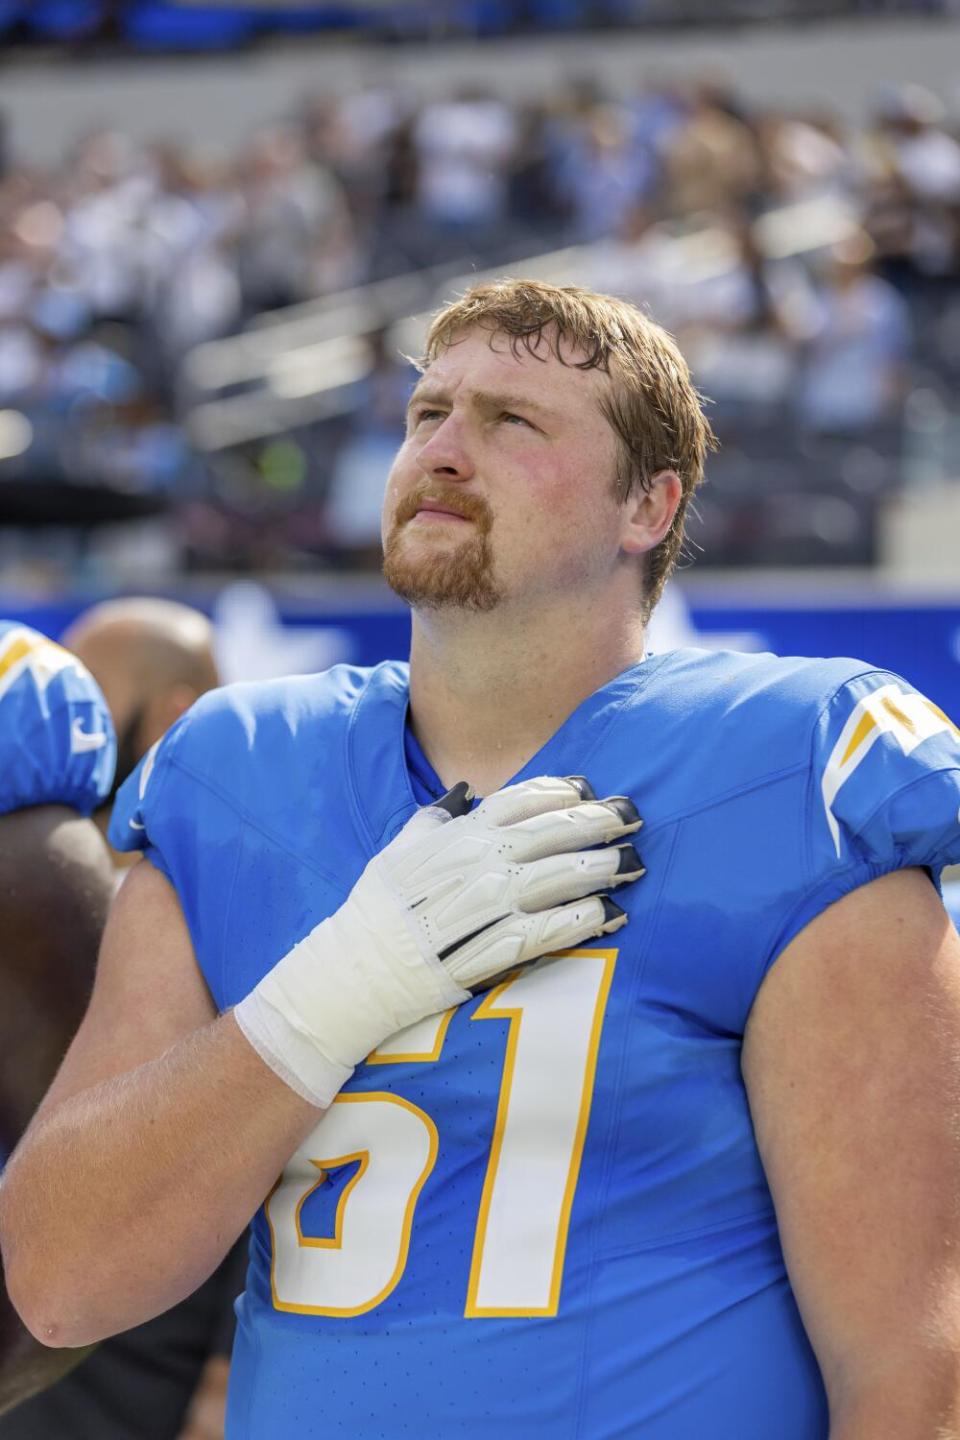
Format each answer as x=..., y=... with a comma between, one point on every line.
x=56, y=883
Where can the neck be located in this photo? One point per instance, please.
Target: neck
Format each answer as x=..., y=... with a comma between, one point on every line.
x=487, y=691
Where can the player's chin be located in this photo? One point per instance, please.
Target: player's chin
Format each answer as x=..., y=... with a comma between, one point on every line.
x=419, y=551
x=439, y=586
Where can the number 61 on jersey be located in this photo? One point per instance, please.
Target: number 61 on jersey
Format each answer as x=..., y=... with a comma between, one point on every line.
x=556, y=1010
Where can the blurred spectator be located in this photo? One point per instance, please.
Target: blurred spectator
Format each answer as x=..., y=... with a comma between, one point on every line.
x=913, y=169
x=805, y=157
x=714, y=160
x=364, y=458
x=293, y=210
x=857, y=343
x=100, y=247
x=198, y=299
x=737, y=318
x=191, y=219
x=537, y=206
x=463, y=148
x=603, y=172
x=920, y=153
x=640, y=262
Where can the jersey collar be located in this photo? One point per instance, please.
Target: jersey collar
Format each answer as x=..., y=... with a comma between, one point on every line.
x=381, y=794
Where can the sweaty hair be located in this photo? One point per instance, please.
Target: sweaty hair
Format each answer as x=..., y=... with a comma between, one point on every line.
x=652, y=404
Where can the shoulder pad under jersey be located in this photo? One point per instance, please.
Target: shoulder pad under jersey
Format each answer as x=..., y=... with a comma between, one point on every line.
x=57, y=745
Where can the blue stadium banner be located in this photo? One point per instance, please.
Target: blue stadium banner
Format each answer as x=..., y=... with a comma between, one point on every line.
x=262, y=633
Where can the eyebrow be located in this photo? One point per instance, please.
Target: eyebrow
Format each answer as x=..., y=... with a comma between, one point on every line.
x=481, y=400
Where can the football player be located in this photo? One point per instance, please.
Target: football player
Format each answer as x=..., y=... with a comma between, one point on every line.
x=541, y=1170
x=151, y=659
x=56, y=765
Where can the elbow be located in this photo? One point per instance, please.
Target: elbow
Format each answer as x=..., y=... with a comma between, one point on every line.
x=40, y=1312
x=53, y=1320
x=69, y=1300
x=55, y=1312
x=54, y=1278
x=50, y=1333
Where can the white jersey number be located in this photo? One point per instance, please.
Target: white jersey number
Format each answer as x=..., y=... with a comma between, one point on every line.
x=542, y=1115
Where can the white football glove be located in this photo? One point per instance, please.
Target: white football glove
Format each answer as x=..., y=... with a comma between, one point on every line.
x=457, y=897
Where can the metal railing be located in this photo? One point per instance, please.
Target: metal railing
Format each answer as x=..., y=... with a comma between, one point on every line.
x=298, y=365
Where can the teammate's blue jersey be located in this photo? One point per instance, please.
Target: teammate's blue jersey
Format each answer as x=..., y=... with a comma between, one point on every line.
x=544, y=1213
x=951, y=898
x=57, y=745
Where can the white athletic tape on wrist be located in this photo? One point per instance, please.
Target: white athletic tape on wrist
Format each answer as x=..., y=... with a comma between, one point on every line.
x=341, y=991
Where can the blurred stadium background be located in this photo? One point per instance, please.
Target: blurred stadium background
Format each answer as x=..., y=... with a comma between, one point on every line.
x=222, y=224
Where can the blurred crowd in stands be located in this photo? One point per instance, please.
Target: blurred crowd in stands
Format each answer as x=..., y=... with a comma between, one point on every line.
x=191, y=25
x=810, y=271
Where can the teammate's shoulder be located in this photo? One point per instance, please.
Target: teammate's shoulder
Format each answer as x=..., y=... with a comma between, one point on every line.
x=56, y=738
x=31, y=661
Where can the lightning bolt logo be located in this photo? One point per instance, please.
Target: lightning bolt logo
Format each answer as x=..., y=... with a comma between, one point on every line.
x=903, y=714
x=22, y=649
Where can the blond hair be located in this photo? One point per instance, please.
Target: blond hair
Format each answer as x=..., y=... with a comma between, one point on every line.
x=652, y=404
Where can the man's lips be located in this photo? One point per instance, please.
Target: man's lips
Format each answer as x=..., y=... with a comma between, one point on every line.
x=429, y=510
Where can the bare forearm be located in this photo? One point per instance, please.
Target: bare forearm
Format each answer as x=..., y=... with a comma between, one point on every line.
x=140, y=1185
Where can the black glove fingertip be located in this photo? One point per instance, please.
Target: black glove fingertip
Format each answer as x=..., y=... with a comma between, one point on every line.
x=624, y=807
x=582, y=785
x=614, y=915
x=629, y=862
x=457, y=799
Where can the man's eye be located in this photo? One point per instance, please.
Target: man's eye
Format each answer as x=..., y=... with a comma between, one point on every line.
x=425, y=414
x=509, y=418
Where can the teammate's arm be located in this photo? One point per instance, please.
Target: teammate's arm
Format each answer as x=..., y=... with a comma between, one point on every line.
x=158, y=1139
x=852, y=1065
x=55, y=887
x=56, y=883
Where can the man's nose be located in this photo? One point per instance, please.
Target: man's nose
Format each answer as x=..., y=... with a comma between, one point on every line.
x=447, y=454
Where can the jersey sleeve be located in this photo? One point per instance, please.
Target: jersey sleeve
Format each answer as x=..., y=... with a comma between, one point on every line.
x=176, y=808
x=160, y=810
x=57, y=745
x=142, y=812
x=884, y=789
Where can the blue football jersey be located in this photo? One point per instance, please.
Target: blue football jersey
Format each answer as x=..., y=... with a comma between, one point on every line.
x=57, y=745
x=951, y=898
x=544, y=1213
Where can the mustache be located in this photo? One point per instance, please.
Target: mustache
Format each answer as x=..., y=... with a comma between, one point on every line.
x=460, y=502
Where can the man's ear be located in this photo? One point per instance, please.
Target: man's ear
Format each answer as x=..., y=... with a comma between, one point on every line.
x=648, y=513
